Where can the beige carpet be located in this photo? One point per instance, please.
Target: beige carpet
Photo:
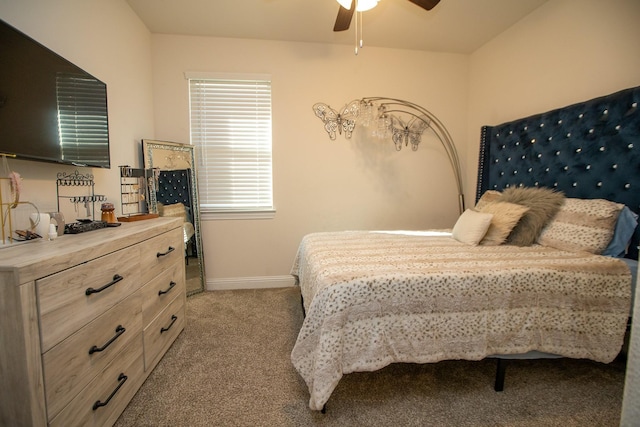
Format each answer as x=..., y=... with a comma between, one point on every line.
x=231, y=367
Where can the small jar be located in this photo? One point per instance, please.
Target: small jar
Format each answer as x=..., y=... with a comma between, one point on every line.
x=108, y=214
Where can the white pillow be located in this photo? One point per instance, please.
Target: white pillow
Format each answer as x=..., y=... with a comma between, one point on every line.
x=471, y=227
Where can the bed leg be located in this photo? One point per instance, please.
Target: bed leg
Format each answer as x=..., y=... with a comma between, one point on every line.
x=324, y=409
x=500, y=372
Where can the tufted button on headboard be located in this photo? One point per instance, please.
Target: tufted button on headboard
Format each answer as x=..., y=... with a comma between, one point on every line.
x=589, y=150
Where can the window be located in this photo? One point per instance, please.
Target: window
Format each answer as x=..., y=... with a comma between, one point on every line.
x=231, y=130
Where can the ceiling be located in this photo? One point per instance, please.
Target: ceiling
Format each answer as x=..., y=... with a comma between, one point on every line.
x=455, y=26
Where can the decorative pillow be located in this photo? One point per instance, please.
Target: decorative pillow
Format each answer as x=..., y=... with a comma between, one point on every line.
x=625, y=227
x=176, y=209
x=582, y=225
x=543, y=204
x=471, y=227
x=487, y=197
x=505, y=217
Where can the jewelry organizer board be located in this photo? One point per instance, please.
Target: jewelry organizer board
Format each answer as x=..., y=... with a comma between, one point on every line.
x=133, y=191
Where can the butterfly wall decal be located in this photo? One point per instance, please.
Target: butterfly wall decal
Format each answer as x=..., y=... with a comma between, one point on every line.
x=343, y=120
x=409, y=132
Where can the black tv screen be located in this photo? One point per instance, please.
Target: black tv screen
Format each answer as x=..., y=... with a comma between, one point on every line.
x=50, y=109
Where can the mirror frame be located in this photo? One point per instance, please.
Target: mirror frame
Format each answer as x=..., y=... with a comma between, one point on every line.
x=182, y=157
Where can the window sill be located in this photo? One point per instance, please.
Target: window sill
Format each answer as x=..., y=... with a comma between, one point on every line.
x=215, y=216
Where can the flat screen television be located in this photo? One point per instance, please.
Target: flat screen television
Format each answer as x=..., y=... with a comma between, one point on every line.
x=50, y=109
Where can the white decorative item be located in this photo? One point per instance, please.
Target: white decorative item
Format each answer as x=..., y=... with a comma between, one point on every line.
x=40, y=224
x=53, y=233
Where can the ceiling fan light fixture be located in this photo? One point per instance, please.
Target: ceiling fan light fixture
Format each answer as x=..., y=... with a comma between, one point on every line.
x=361, y=5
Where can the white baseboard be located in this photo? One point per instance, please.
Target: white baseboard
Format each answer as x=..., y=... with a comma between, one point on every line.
x=250, y=283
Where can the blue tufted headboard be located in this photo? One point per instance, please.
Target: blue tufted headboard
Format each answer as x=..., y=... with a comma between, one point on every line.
x=174, y=186
x=589, y=150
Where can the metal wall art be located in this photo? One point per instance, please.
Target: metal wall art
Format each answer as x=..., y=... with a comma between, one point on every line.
x=401, y=121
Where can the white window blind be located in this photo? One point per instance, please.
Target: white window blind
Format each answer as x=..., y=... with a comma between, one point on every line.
x=231, y=129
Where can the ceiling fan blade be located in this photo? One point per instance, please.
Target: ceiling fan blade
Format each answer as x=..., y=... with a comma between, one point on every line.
x=344, y=18
x=426, y=4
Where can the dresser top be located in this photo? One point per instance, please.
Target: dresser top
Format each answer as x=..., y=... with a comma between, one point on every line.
x=39, y=258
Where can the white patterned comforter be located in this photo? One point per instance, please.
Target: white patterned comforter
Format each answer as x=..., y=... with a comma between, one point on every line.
x=375, y=298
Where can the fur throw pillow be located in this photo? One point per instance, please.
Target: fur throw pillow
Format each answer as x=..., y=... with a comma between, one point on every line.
x=488, y=196
x=543, y=204
x=505, y=217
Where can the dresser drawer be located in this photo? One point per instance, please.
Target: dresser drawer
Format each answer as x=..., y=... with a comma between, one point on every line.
x=49, y=322
x=157, y=294
x=163, y=330
x=120, y=381
x=73, y=363
x=159, y=253
x=70, y=299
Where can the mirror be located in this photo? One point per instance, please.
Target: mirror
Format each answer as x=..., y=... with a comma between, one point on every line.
x=173, y=191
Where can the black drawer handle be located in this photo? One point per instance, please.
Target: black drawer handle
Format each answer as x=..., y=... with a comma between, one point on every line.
x=173, y=320
x=171, y=249
x=116, y=279
x=119, y=331
x=171, y=285
x=121, y=380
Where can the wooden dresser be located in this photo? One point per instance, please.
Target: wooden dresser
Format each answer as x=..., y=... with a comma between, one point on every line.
x=85, y=318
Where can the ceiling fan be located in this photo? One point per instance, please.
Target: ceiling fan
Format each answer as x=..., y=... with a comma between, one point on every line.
x=343, y=21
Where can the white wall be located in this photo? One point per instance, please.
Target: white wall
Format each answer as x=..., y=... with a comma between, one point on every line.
x=320, y=184
x=564, y=52
x=106, y=39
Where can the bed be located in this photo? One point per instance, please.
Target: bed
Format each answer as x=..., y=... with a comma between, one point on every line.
x=372, y=298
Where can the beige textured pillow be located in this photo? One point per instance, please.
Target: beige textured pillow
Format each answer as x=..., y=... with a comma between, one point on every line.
x=543, y=204
x=487, y=197
x=177, y=210
x=582, y=225
x=471, y=227
x=505, y=217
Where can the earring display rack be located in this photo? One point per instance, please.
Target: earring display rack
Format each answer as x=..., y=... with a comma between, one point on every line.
x=68, y=186
x=132, y=190
x=133, y=194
